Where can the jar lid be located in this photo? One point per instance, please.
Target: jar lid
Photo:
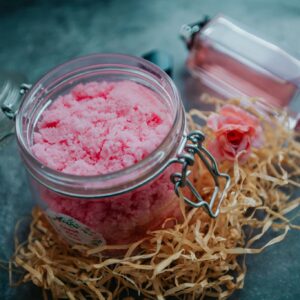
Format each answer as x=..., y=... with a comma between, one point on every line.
x=12, y=88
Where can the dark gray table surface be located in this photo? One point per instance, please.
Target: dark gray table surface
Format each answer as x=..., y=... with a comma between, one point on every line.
x=36, y=35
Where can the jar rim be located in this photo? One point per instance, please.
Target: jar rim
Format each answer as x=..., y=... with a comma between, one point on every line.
x=56, y=179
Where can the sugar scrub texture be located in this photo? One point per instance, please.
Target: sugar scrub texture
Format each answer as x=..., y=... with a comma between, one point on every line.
x=101, y=127
x=121, y=219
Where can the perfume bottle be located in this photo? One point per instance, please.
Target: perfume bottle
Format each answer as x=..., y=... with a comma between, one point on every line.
x=236, y=63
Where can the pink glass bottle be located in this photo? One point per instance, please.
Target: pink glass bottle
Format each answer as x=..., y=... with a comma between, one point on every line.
x=236, y=63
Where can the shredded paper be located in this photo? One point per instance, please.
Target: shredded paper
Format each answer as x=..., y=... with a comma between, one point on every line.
x=197, y=258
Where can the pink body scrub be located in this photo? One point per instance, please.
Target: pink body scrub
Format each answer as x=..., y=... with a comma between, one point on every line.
x=100, y=128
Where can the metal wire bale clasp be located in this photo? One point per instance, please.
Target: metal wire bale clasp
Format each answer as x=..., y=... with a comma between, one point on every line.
x=193, y=147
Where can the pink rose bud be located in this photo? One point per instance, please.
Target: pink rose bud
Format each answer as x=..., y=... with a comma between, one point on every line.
x=236, y=132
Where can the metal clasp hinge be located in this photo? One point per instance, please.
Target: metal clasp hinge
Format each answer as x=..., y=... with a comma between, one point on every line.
x=11, y=105
x=11, y=97
x=194, y=147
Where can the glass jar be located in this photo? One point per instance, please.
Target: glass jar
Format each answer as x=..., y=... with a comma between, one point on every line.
x=119, y=207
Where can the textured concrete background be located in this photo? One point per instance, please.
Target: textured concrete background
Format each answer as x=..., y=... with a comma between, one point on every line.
x=36, y=35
